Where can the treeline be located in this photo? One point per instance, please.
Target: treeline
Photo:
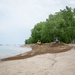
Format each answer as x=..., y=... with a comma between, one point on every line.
x=61, y=25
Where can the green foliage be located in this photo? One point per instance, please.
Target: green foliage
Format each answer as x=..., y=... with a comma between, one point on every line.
x=36, y=32
x=60, y=24
x=29, y=41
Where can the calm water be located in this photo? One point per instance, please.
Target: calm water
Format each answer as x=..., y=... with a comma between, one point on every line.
x=7, y=51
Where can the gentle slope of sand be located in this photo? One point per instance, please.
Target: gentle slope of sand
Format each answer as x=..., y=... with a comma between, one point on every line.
x=45, y=64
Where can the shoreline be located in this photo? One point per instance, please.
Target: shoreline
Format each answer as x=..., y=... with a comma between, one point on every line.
x=41, y=49
x=10, y=51
x=46, y=64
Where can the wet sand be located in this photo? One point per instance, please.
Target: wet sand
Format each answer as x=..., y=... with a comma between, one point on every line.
x=41, y=49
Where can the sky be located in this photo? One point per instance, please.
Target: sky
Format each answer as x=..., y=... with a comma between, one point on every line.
x=18, y=17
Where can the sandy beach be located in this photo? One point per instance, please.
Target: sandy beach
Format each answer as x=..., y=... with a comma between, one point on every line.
x=45, y=64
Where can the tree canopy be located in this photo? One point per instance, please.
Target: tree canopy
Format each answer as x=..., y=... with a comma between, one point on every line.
x=61, y=25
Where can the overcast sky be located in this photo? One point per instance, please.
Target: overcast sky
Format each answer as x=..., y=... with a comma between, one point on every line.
x=18, y=17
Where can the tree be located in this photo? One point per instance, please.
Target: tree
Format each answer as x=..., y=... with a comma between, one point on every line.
x=61, y=25
x=36, y=31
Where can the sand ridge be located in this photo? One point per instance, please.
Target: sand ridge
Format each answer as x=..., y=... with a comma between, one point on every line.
x=41, y=49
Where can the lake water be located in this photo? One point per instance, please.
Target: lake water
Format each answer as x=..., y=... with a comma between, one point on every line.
x=7, y=51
